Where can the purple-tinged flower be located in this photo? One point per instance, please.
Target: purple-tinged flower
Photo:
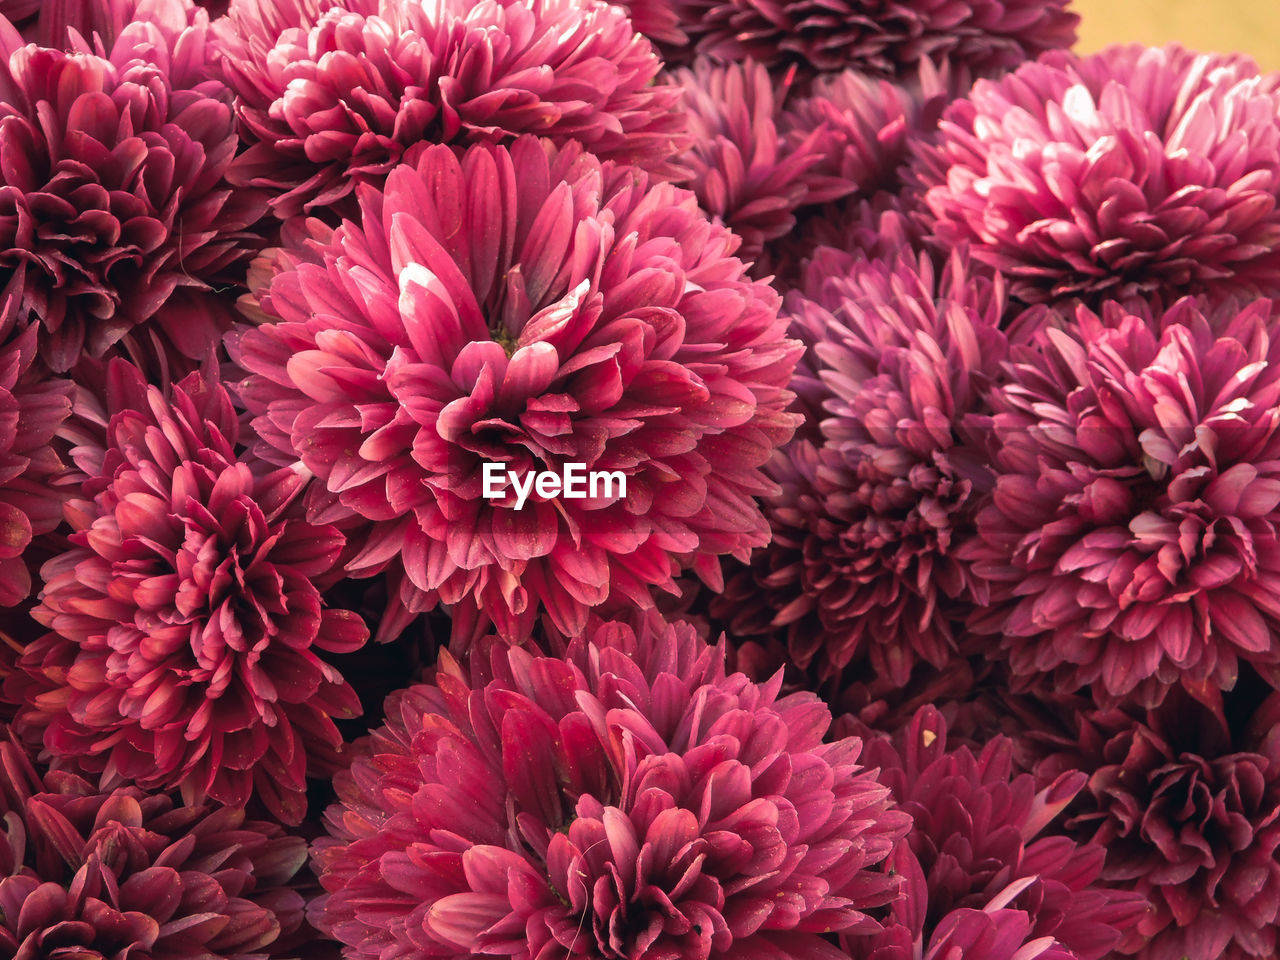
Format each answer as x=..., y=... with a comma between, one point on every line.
x=113, y=208
x=1186, y=799
x=123, y=873
x=869, y=516
x=626, y=800
x=884, y=37
x=981, y=871
x=746, y=171
x=186, y=621
x=332, y=93
x=1131, y=539
x=528, y=307
x=1128, y=173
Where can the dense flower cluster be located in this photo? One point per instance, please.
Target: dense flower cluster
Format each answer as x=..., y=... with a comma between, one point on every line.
x=529, y=307
x=336, y=93
x=625, y=800
x=126, y=873
x=113, y=207
x=457, y=457
x=183, y=617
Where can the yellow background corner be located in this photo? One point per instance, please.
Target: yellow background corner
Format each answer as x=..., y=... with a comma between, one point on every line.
x=1209, y=26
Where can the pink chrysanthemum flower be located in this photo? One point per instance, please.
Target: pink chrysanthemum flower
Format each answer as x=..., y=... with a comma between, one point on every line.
x=1131, y=542
x=866, y=124
x=1131, y=172
x=528, y=307
x=32, y=405
x=885, y=37
x=745, y=171
x=1188, y=807
x=628, y=800
x=334, y=92
x=978, y=846
x=124, y=873
x=865, y=529
x=113, y=208
x=186, y=619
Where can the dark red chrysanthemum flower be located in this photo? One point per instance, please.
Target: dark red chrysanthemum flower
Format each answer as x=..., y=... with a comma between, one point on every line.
x=334, y=92
x=112, y=204
x=531, y=308
x=978, y=846
x=866, y=526
x=1132, y=539
x=126, y=874
x=32, y=405
x=885, y=37
x=627, y=800
x=1188, y=807
x=186, y=617
x=745, y=170
x=1131, y=172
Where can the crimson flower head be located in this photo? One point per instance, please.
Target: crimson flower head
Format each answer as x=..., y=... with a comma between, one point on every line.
x=186, y=622
x=984, y=879
x=882, y=37
x=334, y=92
x=1186, y=799
x=113, y=208
x=870, y=514
x=1131, y=541
x=125, y=873
x=1128, y=173
x=625, y=800
x=528, y=307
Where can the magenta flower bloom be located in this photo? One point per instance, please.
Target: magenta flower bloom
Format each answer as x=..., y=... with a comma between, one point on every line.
x=745, y=171
x=980, y=872
x=186, y=619
x=32, y=405
x=1131, y=541
x=1189, y=811
x=113, y=207
x=334, y=93
x=627, y=800
x=863, y=562
x=527, y=307
x=884, y=37
x=124, y=873
x=1132, y=172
